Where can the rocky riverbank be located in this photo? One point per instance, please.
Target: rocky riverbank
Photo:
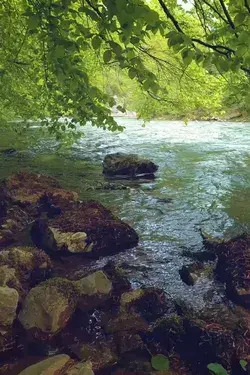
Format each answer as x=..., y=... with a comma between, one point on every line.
x=56, y=325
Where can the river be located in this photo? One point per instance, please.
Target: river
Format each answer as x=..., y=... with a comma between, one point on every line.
x=203, y=183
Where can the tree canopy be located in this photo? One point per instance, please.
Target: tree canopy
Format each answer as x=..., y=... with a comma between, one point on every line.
x=61, y=58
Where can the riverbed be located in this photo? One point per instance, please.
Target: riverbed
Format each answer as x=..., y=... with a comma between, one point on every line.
x=202, y=185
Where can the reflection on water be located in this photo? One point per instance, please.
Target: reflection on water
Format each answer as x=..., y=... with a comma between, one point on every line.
x=203, y=182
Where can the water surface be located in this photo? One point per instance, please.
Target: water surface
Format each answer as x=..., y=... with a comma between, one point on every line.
x=203, y=183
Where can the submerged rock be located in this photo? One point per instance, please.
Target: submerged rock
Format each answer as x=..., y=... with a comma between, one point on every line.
x=48, y=307
x=86, y=228
x=8, y=151
x=200, y=256
x=193, y=272
x=56, y=365
x=129, y=165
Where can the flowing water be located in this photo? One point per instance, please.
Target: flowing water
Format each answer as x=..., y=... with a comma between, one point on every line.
x=203, y=183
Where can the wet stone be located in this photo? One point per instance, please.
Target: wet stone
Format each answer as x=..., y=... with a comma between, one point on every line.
x=100, y=354
x=129, y=165
x=86, y=228
x=56, y=365
x=48, y=307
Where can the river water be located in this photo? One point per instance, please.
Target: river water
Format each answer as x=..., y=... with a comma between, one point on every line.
x=203, y=183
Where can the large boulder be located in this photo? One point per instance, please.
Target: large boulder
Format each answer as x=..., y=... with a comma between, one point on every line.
x=128, y=165
x=56, y=365
x=28, y=188
x=48, y=307
x=84, y=228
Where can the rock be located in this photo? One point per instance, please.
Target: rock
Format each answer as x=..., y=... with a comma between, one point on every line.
x=135, y=367
x=193, y=272
x=56, y=365
x=8, y=305
x=23, y=266
x=81, y=369
x=94, y=290
x=126, y=322
x=85, y=228
x=100, y=354
x=27, y=188
x=119, y=281
x=129, y=165
x=221, y=347
x=200, y=256
x=8, y=152
x=7, y=341
x=169, y=333
x=127, y=341
x=233, y=268
x=48, y=307
x=150, y=303
x=218, y=336
x=12, y=224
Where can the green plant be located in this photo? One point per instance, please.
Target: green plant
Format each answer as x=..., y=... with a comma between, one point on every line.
x=217, y=369
x=160, y=362
x=243, y=364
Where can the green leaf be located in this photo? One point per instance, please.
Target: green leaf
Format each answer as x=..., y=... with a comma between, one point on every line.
x=33, y=22
x=222, y=64
x=59, y=51
x=160, y=362
x=239, y=18
x=244, y=364
x=132, y=73
x=241, y=50
x=147, y=84
x=96, y=42
x=130, y=54
x=135, y=40
x=117, y=48
x=107, y=56
x=217, y=369
x=188, y=56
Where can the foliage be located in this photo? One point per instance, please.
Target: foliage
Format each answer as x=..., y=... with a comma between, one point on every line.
x=56, y=56
x=160, y=362
x=217, y=369
x=243, y=364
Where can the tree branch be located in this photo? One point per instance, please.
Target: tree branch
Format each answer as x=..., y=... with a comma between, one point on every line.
x=215, y=11
x=230, y=21
x=170, y=16
x=247, y=5
x=216, y=47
